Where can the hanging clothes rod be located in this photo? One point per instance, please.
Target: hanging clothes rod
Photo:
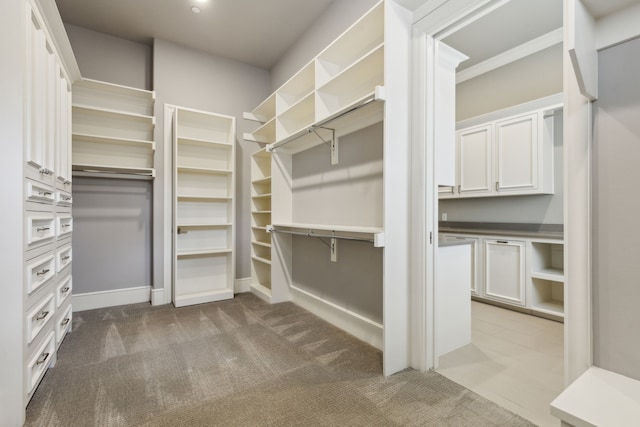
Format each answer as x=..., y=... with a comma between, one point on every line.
x=310, y=233
x=92, y=173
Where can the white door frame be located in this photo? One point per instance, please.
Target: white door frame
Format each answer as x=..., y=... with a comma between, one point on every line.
x=435, y=20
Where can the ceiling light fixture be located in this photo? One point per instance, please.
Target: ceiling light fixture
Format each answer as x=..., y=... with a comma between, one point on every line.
x=195, y=10
x=202, y=1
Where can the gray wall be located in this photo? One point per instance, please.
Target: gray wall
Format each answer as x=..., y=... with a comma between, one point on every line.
x=111, y=59
x=530, y=78
x=112, y=234
x=194, y=79
x=616, y=208
x=339, y=16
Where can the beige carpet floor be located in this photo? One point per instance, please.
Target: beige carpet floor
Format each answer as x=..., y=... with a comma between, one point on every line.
x=241, y=362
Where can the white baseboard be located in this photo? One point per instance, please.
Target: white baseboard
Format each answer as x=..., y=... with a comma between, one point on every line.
x=157, y=297
x=261, y=292
x=242, y=285
x=357, y=325
x=93, y=300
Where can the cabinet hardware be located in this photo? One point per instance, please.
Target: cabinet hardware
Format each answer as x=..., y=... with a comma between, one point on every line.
x=42, y=272
x=64, y=290
x=45, y=171
x=65, y=225
x=503, y=242
x=44, y=193
x=66, y=198
x=43, y=228
x=182, y=231
x=65, y=322
x=459, y=188
x=64, y=258
x=66, y=182
x=453, y=189
x=42, y=315
x=497, y=186
x=43, y=358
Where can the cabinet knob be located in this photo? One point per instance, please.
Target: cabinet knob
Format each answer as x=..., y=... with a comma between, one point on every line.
x=43, y=358
x=42, y=315
x=64, y=290
x=497, y=186
x=65, y=322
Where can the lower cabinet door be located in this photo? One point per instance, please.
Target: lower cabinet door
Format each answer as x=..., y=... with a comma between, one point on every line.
x=504, y=272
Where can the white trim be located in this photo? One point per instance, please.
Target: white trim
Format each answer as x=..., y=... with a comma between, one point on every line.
x=618, y=28
x=112, y=298
x=261, y=292
x=357, y=325
x=168, y=202
x=157, y=297
x=545, y=41
x=242, y=285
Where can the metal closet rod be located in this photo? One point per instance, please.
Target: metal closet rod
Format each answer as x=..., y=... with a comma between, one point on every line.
x=319, y=125
x=322, y=236
x=92, y=173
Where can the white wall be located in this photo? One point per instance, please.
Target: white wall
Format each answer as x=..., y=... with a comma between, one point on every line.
x=339, y=16
x=616, y=150
x=111, y=59
x=194, y=79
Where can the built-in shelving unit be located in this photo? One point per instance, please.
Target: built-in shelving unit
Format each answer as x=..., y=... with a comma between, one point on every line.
x=204, y=206
x=113, y=128
x=338, y=145
x=547, y=277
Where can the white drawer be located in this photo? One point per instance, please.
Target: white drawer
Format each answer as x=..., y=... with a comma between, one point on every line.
x=39, y=192
x=65, y=225
x=64, y=185
x=63, y=325
x=41, y=228
x=63, y=257
x=39, y=271
x=63, y=290
x=63, y=198
x=39, y=316
x=40, y=361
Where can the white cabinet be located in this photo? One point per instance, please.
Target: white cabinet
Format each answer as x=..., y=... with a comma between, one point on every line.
x=204, y=206
x=508, y=152
x=113, y=128
x=504, y=271
x=547, y=277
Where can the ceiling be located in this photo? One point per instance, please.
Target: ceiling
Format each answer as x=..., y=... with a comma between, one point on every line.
x=256, y=32
x=600, y=8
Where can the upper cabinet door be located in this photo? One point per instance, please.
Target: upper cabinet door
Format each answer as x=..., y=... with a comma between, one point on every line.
x=475, y=160
x=517, y=154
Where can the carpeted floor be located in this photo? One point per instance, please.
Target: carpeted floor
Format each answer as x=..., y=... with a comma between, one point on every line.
x=238, y=363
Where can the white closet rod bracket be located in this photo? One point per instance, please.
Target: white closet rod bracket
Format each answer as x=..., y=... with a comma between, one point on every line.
x=333, y=141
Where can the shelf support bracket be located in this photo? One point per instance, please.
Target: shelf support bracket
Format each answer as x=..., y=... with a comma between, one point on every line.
x=333, y=142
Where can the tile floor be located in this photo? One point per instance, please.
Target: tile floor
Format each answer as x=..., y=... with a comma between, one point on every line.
x=514, y=359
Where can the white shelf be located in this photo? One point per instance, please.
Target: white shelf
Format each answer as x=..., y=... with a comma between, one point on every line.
x=204, y=225
x=203, y=142
x=112, y=140
x=212, y=171
x=197, y=252
x=117, y=114
x=113, y=97
x=266, y=180
x=298, y=117
x=182, y=300
x=262, y=196
x=547, y=296
x=554, y=274
x=374, y=234
x=264, y=134
x=555, y=308
x=262, y=260
x=296, y=89
x=263, y=112
x=187, y=198
x=113, y=169
x=266, y=245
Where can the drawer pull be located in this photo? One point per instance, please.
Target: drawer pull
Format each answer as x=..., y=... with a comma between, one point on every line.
x=64, y=290
x=45, y=171
x=66, y=198
x=42, y=315
x=65, y=322
x=182, y=231
x=503, y=242
x=64, y=258
x=43, y=358
x=65, y=225
x=42, y=272
x=43, y=228
x=66, y=182
x=44, y=193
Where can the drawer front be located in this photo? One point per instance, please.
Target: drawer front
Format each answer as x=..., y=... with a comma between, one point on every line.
x=63, y=198
x=64, y=256
x=39, y=192
x=40, y=361
x=63, y=290
x=63, y=325
x=65, y=225
x=39, y=316
x=40, y=271
x=41, y=229
x=64, y=185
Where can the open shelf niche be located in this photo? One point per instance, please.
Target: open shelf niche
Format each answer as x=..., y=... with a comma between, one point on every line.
x=112, y=129
x=204, y=206
x=547, y=278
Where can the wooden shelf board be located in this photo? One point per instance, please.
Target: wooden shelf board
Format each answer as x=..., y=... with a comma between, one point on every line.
x=202, y=142
x=151, y=120
x=112, y=140
x=197, y=252
x=330, y=227
x=115, y=88
x=205, y=225
x=262, y=196
x=265, y=245
x=553, y=274
x=263, y=112
x=185, y=198
x=264, y=180
x=261, y=212
x=113, y=169
x=262, y=260
x=204, y=170
x=552, y=307
x=353, y=66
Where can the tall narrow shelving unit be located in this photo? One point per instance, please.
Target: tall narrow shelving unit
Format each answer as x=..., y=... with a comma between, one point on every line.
x=339, y=201
x=204, y=207
x=113, y=129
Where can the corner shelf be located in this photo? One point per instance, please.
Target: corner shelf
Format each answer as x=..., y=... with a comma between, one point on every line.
x=547, y=277
x=260, y=218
